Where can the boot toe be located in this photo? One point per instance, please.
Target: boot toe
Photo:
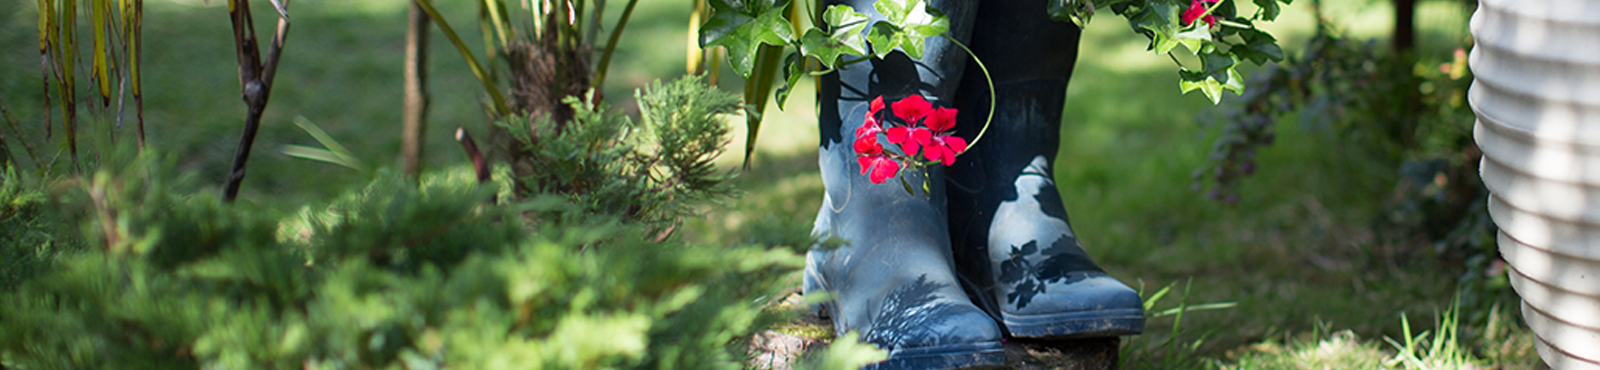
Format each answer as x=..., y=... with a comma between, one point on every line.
x=941, y=336
x=1095, y=306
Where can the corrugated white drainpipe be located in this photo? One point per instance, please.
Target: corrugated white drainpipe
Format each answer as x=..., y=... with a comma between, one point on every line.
x=1537, y=98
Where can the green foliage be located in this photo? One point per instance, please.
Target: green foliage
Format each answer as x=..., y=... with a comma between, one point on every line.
x=1220, y=47
x=742, y=27
x=395, y=276
x=844, y=37
x=28, y=244
x=654, y=171
x=1177, y=350
x=1404, y=114
x=910, y=24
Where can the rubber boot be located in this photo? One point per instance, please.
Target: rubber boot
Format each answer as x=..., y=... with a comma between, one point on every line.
x=1008, y=225
x=894, y=282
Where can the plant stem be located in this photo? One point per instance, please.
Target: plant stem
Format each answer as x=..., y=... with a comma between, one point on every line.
x=472, y=61
x=987, y=78
x=846, y=63
x=12, y=121
x=611, y=44
x=255, y=79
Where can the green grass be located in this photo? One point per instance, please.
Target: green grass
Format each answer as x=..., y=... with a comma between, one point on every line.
x=1297, y=254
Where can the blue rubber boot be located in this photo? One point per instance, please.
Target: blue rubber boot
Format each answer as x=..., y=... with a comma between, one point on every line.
x=1007, y=221
x=894, y=282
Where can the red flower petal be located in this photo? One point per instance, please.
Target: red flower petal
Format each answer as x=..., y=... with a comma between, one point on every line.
x=870, y=128
x=868, y=146
x=1196, y=8
x=905, y=138
x=943, y=119
x=956, y=144
x=949, y=157
x=898, y=135
x=923, y=136
x=934, y=153
x=882, y=169
x=912, y=109
x=875, y=106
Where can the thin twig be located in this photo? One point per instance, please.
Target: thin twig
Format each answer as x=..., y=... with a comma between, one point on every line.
x=480, y=165
x=255, y=80
x=11, y=120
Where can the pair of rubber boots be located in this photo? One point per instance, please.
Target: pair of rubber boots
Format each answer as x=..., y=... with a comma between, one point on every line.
x=940, y=275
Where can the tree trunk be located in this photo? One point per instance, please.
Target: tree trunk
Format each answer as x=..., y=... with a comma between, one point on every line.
x=416, y=98
x=1405, y=26
x=543, y=73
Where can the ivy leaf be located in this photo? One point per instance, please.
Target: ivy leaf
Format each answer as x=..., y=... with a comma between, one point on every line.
x=1217, y=75
x=1159, y=21
x=909, y=25
x=793, y=68
x=744, y=27
x=1194, y=38
x=882, y=38
x=1269, y=9
x=1076, y=11
x=844, y=38
x=1258, y=47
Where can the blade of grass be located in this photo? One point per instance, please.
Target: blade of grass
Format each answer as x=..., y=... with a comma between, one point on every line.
x=322, y=155
x=501, y=109
x=611, y=44
x=101, y=67
x=136, y=52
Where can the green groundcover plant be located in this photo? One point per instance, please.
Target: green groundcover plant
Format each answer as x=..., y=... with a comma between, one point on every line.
x=130, y=267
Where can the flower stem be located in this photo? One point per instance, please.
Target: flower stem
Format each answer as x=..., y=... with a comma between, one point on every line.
x=987, y=79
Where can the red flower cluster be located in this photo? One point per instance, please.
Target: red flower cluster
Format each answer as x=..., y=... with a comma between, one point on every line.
x=1197, y=8
x=933, y=138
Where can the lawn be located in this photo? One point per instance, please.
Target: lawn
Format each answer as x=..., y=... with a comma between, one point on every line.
x=1298, y=255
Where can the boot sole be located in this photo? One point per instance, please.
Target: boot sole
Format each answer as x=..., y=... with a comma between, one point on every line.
x=981, y=355
x=1068, y=325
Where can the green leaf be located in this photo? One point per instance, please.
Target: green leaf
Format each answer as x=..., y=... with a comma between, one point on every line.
x=883, y=40
x=1194, y=38
x=1269, y=9
x=912, y=21
x=743, y=29
x=1159, y=21
x=1258, y=47
x=844, y=37
x=335, y=153
x=1076, y=11
x=1211, y=86
x=793, y=68
x=757, y=89
x=321, y=155
x=1218, y=75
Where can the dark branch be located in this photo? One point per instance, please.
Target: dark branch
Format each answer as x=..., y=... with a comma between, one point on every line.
x=255, y=81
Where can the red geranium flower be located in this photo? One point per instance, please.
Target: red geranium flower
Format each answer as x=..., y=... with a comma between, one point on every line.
x=944, y=148
x=874, y=162
x=919, y=127
x=906, y=138
x=1196, y=8
x=912, y=109
x=872, y=126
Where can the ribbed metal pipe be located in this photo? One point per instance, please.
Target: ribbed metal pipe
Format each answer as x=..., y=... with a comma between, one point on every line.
x=1536, y=93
